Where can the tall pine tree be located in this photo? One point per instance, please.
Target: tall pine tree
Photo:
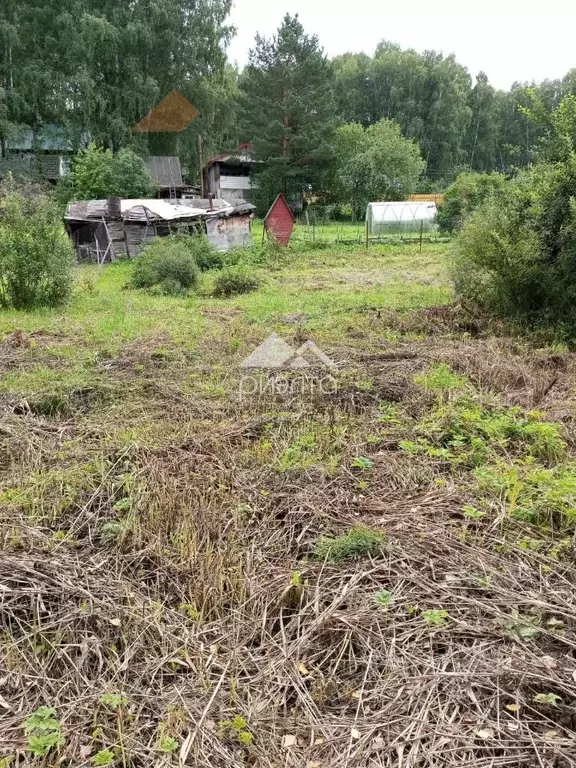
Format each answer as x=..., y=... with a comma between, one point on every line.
x=287, y=110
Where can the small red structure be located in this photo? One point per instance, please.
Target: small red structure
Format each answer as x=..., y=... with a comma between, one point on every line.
x=280, y=220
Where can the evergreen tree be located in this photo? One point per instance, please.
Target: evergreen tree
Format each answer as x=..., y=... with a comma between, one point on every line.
x=287, y=110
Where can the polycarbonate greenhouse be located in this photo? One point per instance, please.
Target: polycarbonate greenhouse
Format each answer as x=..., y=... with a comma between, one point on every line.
x=404, y=218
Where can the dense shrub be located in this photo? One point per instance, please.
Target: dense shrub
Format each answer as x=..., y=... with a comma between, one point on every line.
x=204, y=253
x=465, y=195
x=97, y=173
x=516, y=255
x=234, y=280
x=166, y=262
x=36, y=258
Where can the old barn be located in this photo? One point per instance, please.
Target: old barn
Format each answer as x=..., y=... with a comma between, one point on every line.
x=104, y=230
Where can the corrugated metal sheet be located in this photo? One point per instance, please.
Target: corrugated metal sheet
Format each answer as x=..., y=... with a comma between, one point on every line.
x=158, y=210
x=166, y=171
x=135, y=210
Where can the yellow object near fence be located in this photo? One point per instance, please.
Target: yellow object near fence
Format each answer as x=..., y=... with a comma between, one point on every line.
x=434, y=198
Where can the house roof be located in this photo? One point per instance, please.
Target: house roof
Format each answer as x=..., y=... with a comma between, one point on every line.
x=166, y=172
x=158, y=210
x=242, y=154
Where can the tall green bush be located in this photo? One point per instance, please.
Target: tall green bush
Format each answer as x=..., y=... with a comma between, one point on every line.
x=465, y=195
x=168, y=263
x=97, y=174
x=36, y=257
x=516, y=254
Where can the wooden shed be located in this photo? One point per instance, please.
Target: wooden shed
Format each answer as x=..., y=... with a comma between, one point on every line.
x=104, y=230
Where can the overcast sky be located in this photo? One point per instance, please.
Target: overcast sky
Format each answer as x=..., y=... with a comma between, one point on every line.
x=508, y=39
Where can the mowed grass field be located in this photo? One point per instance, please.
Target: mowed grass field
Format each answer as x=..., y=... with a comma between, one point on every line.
x=197, y=572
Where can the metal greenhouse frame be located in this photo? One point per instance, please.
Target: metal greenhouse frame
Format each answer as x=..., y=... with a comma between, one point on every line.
x=400, y=219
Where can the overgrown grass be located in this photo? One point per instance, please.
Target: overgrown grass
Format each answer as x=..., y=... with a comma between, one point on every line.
x=187, y=549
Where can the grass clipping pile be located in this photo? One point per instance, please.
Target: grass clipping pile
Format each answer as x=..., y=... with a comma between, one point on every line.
x=321, y=585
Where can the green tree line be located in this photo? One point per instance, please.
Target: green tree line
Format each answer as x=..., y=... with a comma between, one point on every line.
x=95, y=67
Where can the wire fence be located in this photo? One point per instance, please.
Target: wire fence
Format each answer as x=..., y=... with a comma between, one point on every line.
x=403, y=225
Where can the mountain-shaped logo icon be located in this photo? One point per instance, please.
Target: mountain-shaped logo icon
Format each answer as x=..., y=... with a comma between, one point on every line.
x=277, y=353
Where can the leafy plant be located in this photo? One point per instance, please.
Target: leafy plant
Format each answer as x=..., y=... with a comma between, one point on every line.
x=362, y=462
x=203, y=252
x=551, y=699
x=43, y=731
x=519, y=626
x=111, y=529
x=233, y=281
x=465, y=195
x=104, y=757
x=436, y=617
x=472, y=513
x=190, y=610
x=358, y=542
x=238, y=727
x=383, y=598
x=123, y=505
x=166, y=262
x=168, y=744
x=36, y=257
x=463, y=432
x=441, y=378
x=535, y=494
x=113, y=700
x=516, y=255
x=117, y=702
